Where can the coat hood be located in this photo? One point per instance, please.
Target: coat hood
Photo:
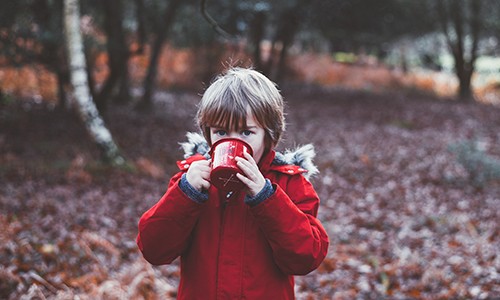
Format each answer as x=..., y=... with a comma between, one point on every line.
x=301, y=156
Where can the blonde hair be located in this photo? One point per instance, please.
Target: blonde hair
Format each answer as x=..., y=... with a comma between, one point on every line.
x=226, y=101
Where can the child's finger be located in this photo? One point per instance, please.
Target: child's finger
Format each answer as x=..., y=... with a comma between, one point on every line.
x=240, y=161
x=253, y=187
x=250, y=163
x=244, y=179
x=205, y=169
x=205, y=184
x=205, y=174
x=246, y=168
x=249, y=157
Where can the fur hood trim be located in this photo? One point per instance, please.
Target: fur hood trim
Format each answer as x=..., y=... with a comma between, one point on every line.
x=196, y=144
x=301, y=156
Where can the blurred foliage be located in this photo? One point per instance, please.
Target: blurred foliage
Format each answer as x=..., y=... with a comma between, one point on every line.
x=346, y=25
x=351, y=24
x=481, y=166
x=31, y=30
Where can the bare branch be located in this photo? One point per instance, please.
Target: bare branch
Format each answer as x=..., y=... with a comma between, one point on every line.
x=211, y=21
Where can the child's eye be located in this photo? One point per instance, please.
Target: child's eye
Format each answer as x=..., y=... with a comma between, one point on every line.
x=246, y=132
x=220, y=132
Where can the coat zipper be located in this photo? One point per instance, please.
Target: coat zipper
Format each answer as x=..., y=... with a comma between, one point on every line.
x=221, y=233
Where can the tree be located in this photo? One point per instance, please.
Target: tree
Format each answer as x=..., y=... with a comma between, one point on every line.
x=465, y=25
x=288, y=26
x=118, y=55
x=161, y=30
x=257, y=31
x=460, y=20
x=85, y=105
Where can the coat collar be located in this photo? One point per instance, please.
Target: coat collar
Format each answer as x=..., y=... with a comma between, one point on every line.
x=266, y=160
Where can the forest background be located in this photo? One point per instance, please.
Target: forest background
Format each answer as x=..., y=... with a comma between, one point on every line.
x=399, y=97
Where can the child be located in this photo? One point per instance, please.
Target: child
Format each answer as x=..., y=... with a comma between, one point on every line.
x=245, y=245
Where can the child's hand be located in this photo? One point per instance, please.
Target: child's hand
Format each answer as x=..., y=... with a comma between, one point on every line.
x=251, y=177
x=198, y=175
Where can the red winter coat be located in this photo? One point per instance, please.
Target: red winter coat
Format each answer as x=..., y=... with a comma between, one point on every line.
x=232, y=250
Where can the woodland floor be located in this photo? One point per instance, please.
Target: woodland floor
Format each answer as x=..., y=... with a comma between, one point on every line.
x=406, y=220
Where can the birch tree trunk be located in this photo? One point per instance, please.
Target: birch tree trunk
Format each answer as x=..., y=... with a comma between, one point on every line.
x=78, y=74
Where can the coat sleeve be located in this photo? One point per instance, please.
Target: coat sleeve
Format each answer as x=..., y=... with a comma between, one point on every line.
x=165, y=229
x=288, y=220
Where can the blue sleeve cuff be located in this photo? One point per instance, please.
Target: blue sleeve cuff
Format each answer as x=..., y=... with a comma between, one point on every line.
x=265, y=193
x=191, y=192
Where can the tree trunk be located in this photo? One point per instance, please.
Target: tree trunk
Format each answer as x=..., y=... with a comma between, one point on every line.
x=48, y=17
x=62, y=81
x=463, y=71
x=90, y=60
x=141, y=25
x=289, y=26
x=453, y=15
x=161, y=36
x=78, y=74
x=257, y=27
x=118, y=54
x=465, y=87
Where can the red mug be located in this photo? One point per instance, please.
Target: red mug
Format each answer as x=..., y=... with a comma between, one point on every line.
x=224, y=168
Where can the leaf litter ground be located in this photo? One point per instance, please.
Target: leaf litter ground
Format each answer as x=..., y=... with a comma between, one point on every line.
x=405, y=218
